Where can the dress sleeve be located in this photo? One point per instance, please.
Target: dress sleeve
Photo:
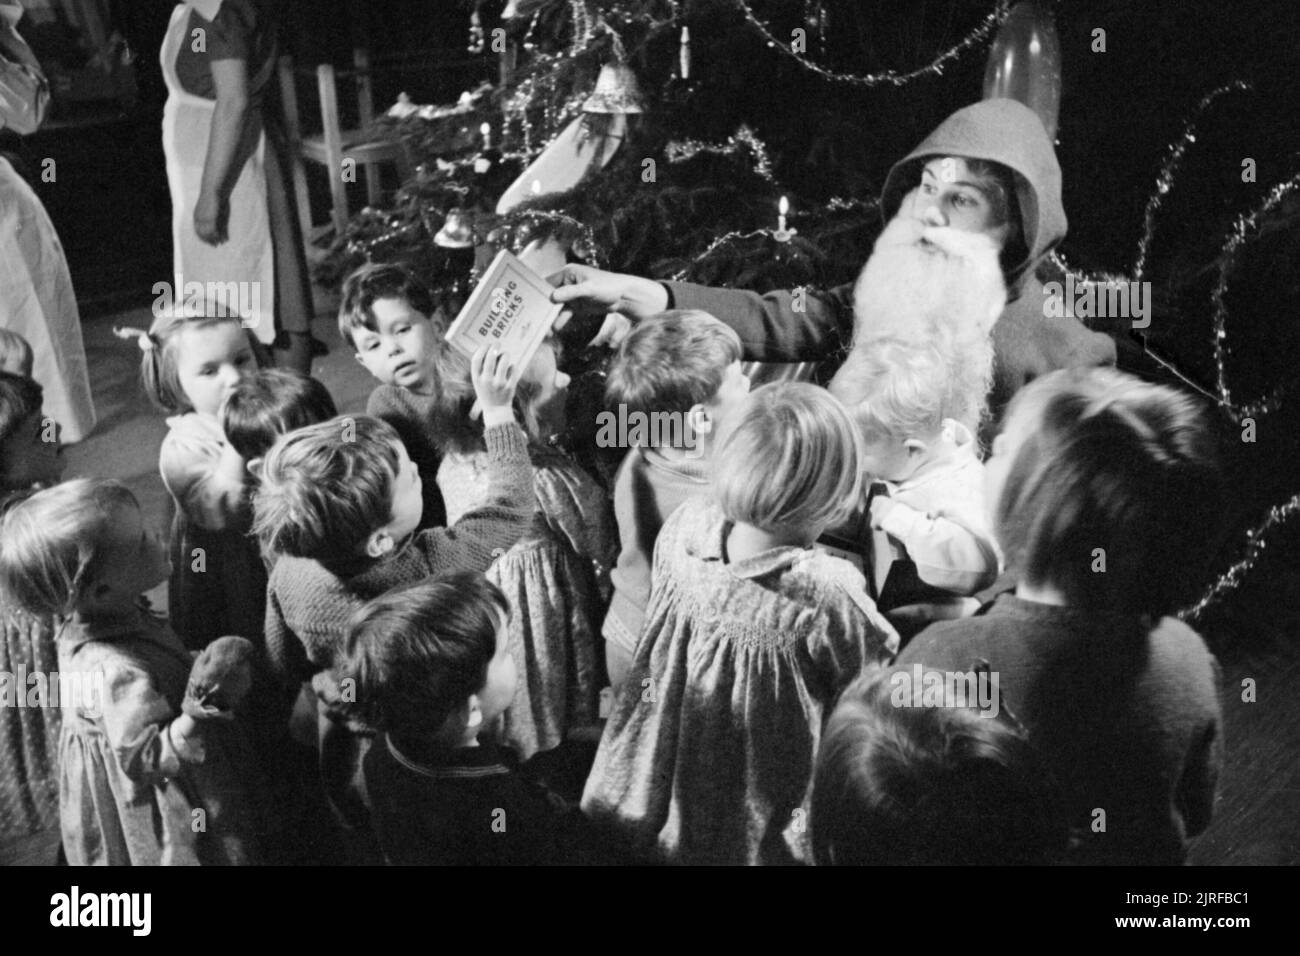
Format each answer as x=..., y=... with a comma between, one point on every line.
x=771, y=329
x=190, y=471
x=136, y=723
x=578, y=511
x=948, y=555
x=856, y=633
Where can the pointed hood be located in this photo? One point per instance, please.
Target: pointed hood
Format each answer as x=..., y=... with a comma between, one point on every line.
x=1007, y=132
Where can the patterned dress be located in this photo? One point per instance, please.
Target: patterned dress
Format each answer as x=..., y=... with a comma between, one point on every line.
x=551, y=579
x=127, y=795
x=29, y=740
x=708, y=755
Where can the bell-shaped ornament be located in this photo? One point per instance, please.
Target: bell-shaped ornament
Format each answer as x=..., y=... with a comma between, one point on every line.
x=457, y=231
x=617, y=91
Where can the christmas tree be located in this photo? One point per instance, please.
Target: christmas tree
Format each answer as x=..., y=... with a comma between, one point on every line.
x=744, y=143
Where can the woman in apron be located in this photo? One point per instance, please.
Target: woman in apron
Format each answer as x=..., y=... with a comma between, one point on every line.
x=233, y=214
x=36, y=298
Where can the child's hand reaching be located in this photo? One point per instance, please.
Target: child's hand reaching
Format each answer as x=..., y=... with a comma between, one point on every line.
x=491, y=375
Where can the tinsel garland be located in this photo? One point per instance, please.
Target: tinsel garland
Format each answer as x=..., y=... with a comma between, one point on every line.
x=892, y=77
x=1241, y=231
x=1165, y=181
x=679, y=151
x=1256, y=543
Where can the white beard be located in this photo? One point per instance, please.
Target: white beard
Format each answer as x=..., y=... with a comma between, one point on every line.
x=935, y=285
x=922, y=279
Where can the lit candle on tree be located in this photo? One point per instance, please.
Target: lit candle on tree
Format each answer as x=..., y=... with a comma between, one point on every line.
x=486, y=131
x=782, y=233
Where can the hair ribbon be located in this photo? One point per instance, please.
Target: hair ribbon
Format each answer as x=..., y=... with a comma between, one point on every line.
x=142, y=338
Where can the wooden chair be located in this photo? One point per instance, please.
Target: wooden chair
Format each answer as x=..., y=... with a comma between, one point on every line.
x=335, y=145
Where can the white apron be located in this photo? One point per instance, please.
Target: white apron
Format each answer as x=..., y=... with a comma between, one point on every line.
x=37, y=302
x=246, y=257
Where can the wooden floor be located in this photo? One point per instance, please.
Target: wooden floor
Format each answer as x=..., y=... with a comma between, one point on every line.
x=1257, y=814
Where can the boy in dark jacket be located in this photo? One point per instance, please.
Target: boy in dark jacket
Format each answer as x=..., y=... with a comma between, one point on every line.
x=433, y=667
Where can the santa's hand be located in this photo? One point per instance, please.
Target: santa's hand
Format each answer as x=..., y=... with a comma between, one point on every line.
x=584, y=290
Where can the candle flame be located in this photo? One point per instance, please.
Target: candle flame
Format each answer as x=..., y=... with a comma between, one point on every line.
x=783, y=206
x=485, y=129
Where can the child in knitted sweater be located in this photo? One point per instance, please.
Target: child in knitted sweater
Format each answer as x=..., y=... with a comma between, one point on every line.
x=339, y=505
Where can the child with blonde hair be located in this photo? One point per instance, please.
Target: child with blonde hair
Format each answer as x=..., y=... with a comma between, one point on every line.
x=133, y=733
x=552, y=576
x=749, y=636
x=681, y=368
x=190, y=363
x=912, y=403
x=1105, y=496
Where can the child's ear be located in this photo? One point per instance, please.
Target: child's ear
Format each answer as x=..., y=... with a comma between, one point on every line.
x=254, y=468
x=379, y=543
x=473, y=713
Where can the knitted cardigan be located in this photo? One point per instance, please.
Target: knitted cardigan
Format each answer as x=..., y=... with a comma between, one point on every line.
x=308, y=607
